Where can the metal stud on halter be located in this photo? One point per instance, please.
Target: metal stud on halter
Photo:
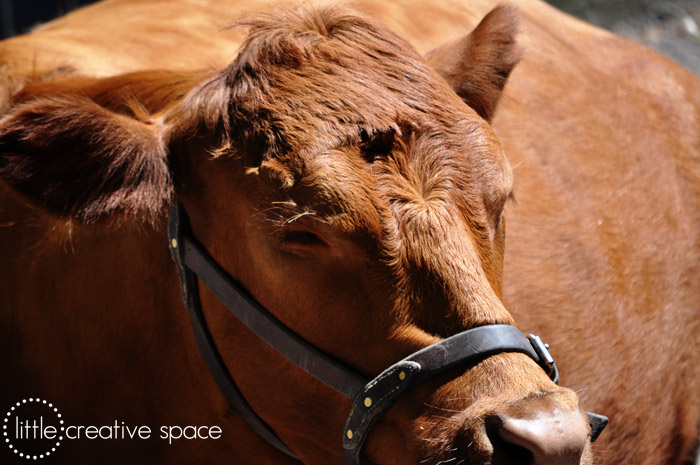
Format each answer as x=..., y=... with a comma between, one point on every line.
x=371, y=398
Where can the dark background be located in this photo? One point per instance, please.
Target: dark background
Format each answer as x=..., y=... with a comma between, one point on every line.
x=18, y=16
x=670, y=26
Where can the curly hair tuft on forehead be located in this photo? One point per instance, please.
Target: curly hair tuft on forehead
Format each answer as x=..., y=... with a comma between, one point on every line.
x=314, y=76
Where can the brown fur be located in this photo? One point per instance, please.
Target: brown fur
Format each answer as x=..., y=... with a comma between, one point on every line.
x=341, y=180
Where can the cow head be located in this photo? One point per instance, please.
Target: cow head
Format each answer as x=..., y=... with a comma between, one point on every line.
x=356, y=191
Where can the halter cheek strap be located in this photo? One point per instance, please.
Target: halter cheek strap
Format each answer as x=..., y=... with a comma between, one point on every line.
x=182, y=248
x=371, y=399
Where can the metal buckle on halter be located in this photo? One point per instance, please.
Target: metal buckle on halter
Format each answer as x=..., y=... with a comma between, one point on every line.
x=596, y=422
x=546, y=359
x=371, y=398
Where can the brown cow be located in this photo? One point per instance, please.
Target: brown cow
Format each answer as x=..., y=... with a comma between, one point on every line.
x=355, y=196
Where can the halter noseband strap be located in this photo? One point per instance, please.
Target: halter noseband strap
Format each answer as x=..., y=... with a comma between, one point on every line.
x=371, y=399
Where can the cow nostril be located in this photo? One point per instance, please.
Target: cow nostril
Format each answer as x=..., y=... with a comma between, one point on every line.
x=505, y=452
x=554, y=438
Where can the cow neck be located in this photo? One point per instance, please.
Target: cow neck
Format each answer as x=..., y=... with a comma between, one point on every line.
x=370, y=398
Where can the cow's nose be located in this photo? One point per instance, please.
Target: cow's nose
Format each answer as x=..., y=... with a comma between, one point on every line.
x=558, y=437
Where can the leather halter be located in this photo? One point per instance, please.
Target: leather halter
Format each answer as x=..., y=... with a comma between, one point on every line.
x=370, y=398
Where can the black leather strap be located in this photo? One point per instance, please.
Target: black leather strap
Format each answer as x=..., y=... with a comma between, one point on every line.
x=597, y=423
x=307, y=357
x=383, y=391
x=370, y=399
x=178, y=228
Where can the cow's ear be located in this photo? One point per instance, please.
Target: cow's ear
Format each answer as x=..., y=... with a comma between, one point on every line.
x=76, y=158
x=477, y=66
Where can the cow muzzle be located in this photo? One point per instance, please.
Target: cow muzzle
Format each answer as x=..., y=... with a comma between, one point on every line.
x=370, y=398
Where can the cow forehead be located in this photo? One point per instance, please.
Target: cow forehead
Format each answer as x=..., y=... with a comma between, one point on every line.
x=313, y=78
x=307, y=86
x=422, y=171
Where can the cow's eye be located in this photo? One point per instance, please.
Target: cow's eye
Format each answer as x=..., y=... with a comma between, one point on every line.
x=302, y=238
